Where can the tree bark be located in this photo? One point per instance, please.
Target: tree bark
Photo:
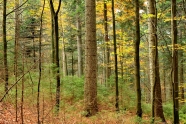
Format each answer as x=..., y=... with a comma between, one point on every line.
x=181, y=76
x=157, y=109
x=56, y=39
x=79, y=41
x=137, y=62
x=17, y=35
x=107, y=50
x=115, y=58
x=39, y=69
x=174, y=62
x=5, y=61
x=90, y=93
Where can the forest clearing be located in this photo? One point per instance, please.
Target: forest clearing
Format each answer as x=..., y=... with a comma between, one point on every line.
x=92, y=62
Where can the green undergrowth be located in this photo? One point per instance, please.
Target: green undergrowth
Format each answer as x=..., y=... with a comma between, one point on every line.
x=72, y=95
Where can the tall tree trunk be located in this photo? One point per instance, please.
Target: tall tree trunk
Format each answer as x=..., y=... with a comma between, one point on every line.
x=5, y=61
x=181, y=69
x=79, y=41
x=65, y=70
x=107, y=50
x=137, y=62
x=174, y=62
x=39, y=80
x=22, y=85
x=181, y=76
x=17, y=35
x=90, y=93
x=72, y=62
x=164, y=83
x=151, y=40
x=56, y=39
x=53, y=42
x=157, y=109
x=115, y=58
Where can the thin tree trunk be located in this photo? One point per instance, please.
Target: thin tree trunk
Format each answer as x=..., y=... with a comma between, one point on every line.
x=182, y=76
x=22, y=86
x=5, y=61
x=17, y=35
x=164, y=84
x=52, y=39
x=107, y=50
x=72, y=63
x=65, y=70
x=39, y=81
x=181, y=70
x=34, y=50
x=79, y=41
x=115, y=58
x=56, y=32
x=137, y=62
x=174, y=62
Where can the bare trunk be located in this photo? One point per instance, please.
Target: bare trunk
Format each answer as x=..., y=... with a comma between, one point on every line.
x=90, y=87
x=5, y=61
x=157, y=109
x=79, y=42
x=115, y=58
x=56, y=39
x=17, y=35
x=137, y=62
x=39, y=81
x=174, y=62
x=22, y=86
x=107, y=50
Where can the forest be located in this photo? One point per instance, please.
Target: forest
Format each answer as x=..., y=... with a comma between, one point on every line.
x=92, y=61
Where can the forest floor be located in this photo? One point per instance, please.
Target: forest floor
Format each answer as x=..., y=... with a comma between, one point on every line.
x=72, y=115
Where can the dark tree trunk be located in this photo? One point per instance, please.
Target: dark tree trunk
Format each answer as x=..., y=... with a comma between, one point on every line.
x=107, y=50
x=5, y=61
x=17, y=35
x=137, y=62
x=174, y=62
x=181, y=76
x=79, y=41
x=115, y=58
x=56, y=39
x=39, y=81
